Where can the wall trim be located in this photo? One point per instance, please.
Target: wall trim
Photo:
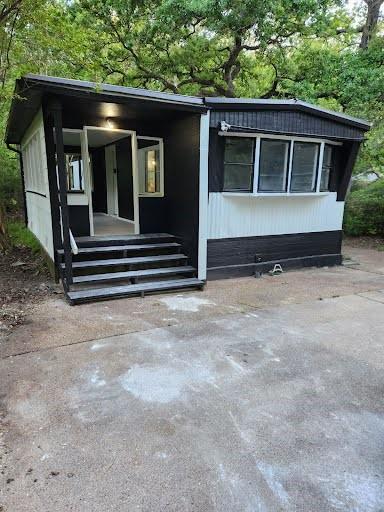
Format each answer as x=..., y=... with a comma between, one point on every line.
x=203, y=197
x=229, y=271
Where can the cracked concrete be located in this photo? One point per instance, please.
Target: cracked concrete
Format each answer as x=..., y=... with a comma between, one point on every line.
x=253, y=395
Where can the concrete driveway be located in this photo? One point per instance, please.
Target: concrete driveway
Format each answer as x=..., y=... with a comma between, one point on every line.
x=254, y=395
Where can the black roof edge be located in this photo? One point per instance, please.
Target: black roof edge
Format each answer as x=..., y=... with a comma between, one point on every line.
x=114, y=90
x=220, y=103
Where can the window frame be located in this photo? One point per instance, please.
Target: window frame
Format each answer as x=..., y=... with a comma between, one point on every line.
x=157, y=142
x=249, y=164
x=292, y=139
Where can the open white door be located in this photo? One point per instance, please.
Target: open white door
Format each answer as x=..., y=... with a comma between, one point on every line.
x=111, y=135
x=87, y=177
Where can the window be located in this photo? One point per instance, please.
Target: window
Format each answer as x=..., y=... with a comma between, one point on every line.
x=238, y=164
x=74, y=169
x=273, y=165
x=281, y=165
x=304, y=166
x=33, y=165
x=326, y=169
x=150, y=167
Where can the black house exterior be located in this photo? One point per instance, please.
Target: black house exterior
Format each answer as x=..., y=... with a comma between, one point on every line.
x=132, y=191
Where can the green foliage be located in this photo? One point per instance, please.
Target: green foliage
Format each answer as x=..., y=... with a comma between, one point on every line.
x=364, y=211
x=10, y=182
x=20, y=236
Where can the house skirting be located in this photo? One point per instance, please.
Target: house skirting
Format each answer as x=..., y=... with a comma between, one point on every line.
x=231, y=257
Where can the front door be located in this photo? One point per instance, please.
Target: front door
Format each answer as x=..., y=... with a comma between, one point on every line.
x=112, y=139
x=111, y=180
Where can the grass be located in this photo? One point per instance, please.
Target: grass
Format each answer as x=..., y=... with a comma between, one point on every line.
x=20, y=236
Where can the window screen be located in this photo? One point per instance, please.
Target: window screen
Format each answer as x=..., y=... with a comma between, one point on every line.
x=238, y=164
x=304, y=167
x=273, y=166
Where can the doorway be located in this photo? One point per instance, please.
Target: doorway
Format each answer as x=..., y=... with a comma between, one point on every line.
x=111, y=180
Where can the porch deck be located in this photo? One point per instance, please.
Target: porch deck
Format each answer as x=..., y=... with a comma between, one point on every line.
x=106, y=225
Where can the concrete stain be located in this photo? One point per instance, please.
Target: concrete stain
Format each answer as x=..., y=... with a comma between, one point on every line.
x=183, y=303
x=163, y=384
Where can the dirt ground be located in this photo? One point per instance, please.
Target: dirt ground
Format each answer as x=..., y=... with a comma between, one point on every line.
x=254, y=394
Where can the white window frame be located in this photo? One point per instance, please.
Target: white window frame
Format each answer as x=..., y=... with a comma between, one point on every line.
x=160, y=142
x=292, y=140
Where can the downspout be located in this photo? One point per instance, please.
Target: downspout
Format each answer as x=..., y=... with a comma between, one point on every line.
x=22, y=180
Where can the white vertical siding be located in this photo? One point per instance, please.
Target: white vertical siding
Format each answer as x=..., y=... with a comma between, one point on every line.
x=236, y=216
x=36, y=183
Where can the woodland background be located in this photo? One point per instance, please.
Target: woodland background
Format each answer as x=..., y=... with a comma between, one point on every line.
x=329, y=52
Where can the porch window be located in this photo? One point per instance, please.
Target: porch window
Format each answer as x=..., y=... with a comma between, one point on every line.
x=304, y=166
x=151, y=174
x=238, y=164
x=74, y=169
x=326, y=169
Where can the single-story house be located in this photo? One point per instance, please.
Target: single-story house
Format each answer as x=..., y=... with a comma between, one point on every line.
x=131, y=191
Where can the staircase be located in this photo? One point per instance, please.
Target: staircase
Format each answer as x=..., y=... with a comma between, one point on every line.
x=130, y=265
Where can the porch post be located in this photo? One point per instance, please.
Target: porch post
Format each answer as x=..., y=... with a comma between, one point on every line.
x=56, y=110
x=203, y=197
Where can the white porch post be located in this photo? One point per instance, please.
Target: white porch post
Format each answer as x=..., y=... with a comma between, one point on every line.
x=203, y=197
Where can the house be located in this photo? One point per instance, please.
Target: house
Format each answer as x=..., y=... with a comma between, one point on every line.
x=131, y=191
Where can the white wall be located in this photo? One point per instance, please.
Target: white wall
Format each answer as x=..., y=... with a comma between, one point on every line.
x=236, y=216
x=36, y=183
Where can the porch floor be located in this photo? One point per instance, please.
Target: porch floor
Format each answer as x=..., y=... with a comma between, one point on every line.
x=105, y=225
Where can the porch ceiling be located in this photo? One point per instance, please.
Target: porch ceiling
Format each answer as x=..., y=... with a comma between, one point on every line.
x=83, y=104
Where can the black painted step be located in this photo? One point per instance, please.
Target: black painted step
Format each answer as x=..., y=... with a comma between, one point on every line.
x=114, y=292
x=134, y=274
x=127, y=248
x=127, y=261
x=103, y=241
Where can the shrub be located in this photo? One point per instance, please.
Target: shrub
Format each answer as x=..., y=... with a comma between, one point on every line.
x=364, y=211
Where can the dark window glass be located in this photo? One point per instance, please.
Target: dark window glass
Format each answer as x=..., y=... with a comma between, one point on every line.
x=273, y=167
x=326, y=169
x=238, y=164
x=304, y=166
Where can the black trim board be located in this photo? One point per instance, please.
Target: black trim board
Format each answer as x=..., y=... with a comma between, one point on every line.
x=286, y=264
x=244, y=252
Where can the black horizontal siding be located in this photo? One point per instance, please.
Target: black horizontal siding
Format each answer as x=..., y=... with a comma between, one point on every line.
x=258, y=249
x=285, y=121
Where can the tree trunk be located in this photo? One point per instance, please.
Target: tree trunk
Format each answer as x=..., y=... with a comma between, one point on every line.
x=371, y=20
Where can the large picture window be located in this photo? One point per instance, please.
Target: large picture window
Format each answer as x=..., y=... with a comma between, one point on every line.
x=267, y=164
x=238, y=164
x=304, y=166
x=273, y=165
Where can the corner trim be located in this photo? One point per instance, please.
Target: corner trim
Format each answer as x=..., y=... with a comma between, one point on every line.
x=203, y=197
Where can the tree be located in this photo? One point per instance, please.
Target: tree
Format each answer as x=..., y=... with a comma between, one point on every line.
x=202, y=47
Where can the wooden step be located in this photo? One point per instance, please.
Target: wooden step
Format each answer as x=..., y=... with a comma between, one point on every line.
x=127, y=261
x=134, y=274
x=114, y=292
x=103, y=241
x=127, y=248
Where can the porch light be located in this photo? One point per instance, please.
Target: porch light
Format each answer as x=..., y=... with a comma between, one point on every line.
x=110, y=123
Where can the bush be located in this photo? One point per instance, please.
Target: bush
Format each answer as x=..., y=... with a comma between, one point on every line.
x=364, y=211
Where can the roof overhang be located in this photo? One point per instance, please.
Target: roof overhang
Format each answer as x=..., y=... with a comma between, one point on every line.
x=30, y=90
